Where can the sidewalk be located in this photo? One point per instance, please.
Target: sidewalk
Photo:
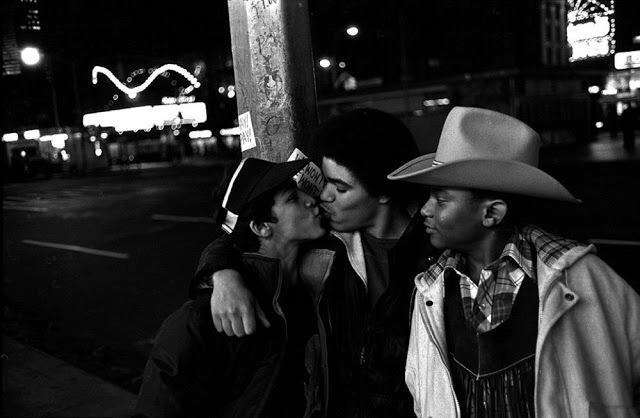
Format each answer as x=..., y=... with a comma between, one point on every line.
x=35, y=384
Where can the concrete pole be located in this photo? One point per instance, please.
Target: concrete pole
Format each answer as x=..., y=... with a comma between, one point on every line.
x=275, y=84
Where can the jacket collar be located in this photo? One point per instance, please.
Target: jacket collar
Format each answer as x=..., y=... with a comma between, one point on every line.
x=355, y=252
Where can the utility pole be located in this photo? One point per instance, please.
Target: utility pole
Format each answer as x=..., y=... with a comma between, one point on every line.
x=275, y=85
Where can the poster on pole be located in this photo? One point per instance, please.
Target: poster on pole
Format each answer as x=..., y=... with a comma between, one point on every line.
x=310, y=179
x=247, y=138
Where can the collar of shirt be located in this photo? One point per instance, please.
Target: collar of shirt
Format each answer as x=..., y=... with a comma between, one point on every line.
x=489, y=303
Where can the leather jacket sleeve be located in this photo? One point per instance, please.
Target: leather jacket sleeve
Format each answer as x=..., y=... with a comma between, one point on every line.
x=218, y=255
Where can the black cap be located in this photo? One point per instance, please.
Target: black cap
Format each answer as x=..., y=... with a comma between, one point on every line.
x=252, y=178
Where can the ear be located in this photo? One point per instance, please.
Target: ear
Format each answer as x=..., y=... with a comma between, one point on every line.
x=384, y=199
x=261, y=229
x=494, y=212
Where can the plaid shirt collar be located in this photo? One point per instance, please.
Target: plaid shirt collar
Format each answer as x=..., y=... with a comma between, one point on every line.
x=517, y=249
x=489, y=304
x=532, y=244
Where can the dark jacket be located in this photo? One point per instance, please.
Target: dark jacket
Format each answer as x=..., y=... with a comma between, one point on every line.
x=367, y=347
x=195, y=371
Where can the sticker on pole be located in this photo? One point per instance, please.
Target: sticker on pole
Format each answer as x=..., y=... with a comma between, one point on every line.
x=310, y=179
x=247, y=138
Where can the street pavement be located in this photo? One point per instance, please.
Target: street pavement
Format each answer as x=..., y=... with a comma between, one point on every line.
x=91, y=267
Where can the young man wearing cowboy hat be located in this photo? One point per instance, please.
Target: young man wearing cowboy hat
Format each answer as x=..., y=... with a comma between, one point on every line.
x=511, y=320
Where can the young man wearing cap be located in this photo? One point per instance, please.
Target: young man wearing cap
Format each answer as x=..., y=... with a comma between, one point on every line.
x=511, y=320
x=277, y=372
x=376, y=249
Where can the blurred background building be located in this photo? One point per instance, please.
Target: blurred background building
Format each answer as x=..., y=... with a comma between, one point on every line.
x=551, y=63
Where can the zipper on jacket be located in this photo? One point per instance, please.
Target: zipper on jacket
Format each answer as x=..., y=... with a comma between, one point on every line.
x=444, y=363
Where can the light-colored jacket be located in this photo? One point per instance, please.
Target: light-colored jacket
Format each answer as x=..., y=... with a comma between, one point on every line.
x=587, y=350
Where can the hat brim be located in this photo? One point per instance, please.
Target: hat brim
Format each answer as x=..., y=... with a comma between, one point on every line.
x=276, y=175
x=503, y=176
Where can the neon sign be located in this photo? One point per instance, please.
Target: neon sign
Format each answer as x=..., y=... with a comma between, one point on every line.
x=133, y=92
x=590, y=28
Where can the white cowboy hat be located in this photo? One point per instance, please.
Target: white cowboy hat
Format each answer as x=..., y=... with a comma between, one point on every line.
x=486, y=150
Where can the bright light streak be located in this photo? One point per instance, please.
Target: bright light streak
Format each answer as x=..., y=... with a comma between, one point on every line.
x=65, y=155
x=98, y=152
x=146, y=117
x=54, y=137
x=609, y=92
x=200, y=134
x=32, y=134
x=133, y=92
x=30, y=55
x=230, y=131
x=352, y=30
x=436, y=102
x=325, y=63
x=10, y=137
x=599, y=124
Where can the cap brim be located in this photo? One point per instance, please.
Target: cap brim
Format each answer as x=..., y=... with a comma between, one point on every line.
x=276, y=175
x=495, y=175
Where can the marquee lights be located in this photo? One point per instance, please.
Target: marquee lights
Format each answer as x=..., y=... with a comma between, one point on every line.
x=146, y=117
x=133, y=92
x=590, y=28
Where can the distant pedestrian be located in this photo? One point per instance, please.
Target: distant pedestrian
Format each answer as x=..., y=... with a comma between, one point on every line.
x=629, y=120
x=512, y=321
x=194, y=371
x=611, y=120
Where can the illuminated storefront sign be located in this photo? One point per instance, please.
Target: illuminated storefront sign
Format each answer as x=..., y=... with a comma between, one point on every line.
x=591, y=28
x=147, y=117
x=624, y=60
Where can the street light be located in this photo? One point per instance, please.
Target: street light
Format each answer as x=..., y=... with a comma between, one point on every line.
x=30, y=55
x=325, y=63
x=352, y=31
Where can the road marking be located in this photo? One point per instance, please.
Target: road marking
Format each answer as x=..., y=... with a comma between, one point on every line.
x=24, y=208
x=200, y=219
x=77, y=248
x=615, y=242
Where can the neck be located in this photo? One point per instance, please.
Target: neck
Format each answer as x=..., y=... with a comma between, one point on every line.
x=390, y=223
x=287, y=254
x=485, y=251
